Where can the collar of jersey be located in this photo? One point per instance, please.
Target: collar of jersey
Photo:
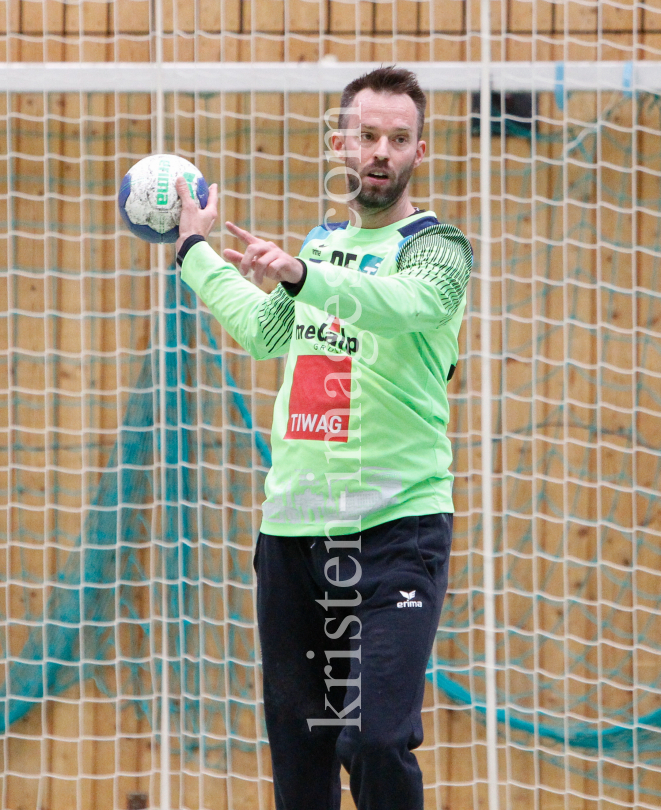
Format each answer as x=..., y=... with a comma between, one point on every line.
x=379, y=234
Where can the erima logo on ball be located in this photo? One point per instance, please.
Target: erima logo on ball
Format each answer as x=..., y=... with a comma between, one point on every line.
x=163, y=183
x=410, y=602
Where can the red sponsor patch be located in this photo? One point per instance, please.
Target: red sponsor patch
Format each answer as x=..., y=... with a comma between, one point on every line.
x=319, y=401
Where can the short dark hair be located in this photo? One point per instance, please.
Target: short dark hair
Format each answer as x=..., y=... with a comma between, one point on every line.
x=390, y=79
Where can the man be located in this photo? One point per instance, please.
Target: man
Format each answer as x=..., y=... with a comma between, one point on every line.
x=352, y=558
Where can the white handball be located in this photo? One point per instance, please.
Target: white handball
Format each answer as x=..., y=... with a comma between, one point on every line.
x=148, y=201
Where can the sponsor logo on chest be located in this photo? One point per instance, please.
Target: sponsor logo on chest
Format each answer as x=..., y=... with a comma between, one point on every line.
x=329, y=336
x=320, y=398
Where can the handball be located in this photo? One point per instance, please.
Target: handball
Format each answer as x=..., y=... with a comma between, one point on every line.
x=148, y=201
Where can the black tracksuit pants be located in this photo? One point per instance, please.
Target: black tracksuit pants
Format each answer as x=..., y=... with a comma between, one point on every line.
x=346, y=628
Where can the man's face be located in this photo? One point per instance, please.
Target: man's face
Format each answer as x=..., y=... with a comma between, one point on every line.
x=388, y=147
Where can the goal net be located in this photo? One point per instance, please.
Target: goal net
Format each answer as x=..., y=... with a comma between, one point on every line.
x=135, y=432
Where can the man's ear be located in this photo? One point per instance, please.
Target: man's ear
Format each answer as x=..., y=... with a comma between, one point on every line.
x=419, y=153
x=338, y=145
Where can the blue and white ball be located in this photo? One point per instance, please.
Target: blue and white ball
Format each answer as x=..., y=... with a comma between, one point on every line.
x=148, y=201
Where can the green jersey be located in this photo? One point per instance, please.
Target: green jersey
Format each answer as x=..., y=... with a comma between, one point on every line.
x=360, y=423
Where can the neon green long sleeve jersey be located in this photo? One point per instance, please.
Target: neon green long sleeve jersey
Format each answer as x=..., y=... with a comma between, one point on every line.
x=360, y=423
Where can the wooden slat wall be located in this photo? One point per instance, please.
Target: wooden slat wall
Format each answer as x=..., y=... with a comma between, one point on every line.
x=300, y=29
x=76, y=736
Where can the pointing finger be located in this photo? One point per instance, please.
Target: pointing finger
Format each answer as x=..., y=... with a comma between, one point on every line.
x=245, y=236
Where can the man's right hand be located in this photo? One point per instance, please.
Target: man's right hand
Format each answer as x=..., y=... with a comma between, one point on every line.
x=264, y=258
x=195, y=220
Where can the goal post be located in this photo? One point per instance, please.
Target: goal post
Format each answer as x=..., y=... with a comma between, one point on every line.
x=325, y=76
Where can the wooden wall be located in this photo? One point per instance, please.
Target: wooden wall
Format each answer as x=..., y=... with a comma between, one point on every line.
x=305, y=30
x=58, y=189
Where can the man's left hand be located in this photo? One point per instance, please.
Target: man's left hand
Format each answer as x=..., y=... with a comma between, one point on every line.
x=195, y=220
x=265, y=259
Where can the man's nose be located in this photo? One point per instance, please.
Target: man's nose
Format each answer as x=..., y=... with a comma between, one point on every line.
x=381, y=152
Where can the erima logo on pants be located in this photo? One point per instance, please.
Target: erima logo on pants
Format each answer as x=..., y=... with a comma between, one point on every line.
x=410, y=602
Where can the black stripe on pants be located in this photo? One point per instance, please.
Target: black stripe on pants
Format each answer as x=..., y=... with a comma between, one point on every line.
x=346, y=628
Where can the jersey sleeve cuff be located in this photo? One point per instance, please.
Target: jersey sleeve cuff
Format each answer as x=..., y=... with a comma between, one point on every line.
x=201, y=259
x=294, y=288
x=193, y=239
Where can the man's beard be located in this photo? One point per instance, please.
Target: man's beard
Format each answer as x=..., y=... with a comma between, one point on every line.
x=377, y=198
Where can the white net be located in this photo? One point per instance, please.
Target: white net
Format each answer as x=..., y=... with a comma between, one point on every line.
x=106, y=534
